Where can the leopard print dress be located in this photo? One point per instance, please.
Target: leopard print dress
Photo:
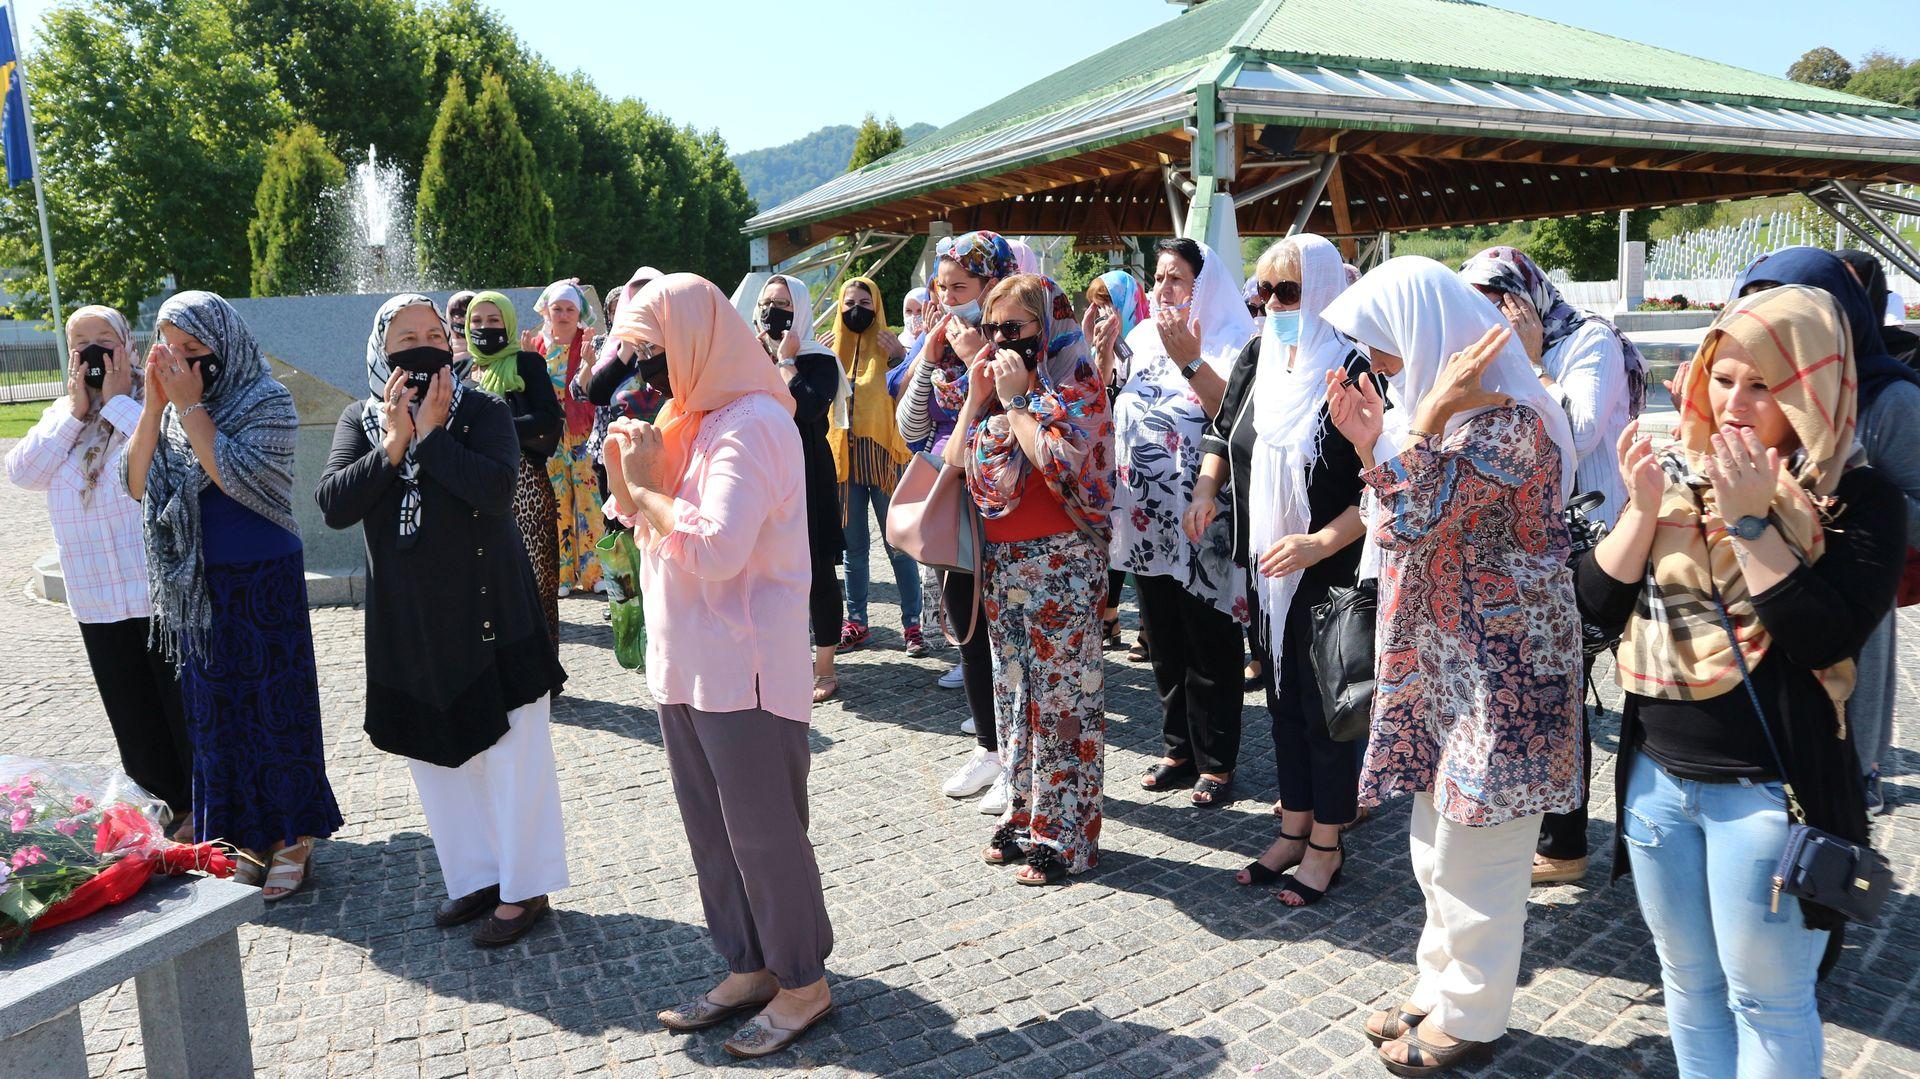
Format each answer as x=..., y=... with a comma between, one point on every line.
x=536, y=514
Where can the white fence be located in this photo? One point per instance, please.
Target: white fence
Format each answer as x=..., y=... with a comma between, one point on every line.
x=1604, y=296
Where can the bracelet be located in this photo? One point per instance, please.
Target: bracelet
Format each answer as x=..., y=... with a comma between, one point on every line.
x=188, y=411
x=1421, y=435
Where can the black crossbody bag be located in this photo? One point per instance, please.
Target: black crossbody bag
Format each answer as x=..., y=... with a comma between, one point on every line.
x=1851, y=879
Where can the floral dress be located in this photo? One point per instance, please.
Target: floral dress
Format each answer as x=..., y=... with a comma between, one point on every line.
x=579, y=522
x=1478, y=639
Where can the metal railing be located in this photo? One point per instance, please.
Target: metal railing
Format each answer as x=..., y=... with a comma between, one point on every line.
x=37, y=372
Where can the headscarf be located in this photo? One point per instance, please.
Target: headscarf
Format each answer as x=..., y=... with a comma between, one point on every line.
x=1674, y=647
x=1287, y=406
x=1129, y=299
x=254, y=454
x=713, y=358
x=579, y=413
x=864, y=362
x=498, y=373
x=802, y=299
x=1353, y=272
x=1024, y=260
x=1508, y=269
x=1420, y=311
x=619, y=297
x=1825, y=271
x=982, y=254
x=373, y=418
x=1224, y=322
x=95, y=444
x=909, y=339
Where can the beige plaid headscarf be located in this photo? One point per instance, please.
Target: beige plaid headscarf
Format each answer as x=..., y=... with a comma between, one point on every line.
x=1675, y=647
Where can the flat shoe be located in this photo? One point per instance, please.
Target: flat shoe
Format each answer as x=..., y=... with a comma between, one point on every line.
x=758, y=1040
x=701, y=1013
x=1393, y=1025
x=1557, y=870
x=466, y=908
x=496, y=931
x=1216, y=793
x=1166, y=777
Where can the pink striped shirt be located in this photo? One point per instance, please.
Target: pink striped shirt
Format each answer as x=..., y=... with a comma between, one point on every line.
x=102, y=554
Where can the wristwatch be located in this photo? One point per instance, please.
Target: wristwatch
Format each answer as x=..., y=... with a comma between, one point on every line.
x=1193, y=368
x=1020, y=403
x=1749, y=527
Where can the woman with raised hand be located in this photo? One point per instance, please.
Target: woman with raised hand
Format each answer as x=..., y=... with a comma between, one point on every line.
x=717, y=492
x=1295, y=483
x=461, y=671
x=612, y=387
x=1193, y=599
x=1115, y=305
x=1762, y=524
x=564, y=341
x=1478, y=640
x=211, y=463
x=103, y=558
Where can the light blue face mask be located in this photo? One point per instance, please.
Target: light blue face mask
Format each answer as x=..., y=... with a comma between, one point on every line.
x=1285, y=326
x=968, y=312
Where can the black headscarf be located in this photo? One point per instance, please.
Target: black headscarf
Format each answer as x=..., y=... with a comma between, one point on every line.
x=1824, y=270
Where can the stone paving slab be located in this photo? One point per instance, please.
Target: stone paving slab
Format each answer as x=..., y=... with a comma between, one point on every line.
x=1155, y=965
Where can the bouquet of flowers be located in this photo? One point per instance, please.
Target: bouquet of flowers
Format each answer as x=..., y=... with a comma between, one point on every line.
x=80, y=837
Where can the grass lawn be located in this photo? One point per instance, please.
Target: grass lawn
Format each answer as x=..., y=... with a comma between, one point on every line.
x=18, y=417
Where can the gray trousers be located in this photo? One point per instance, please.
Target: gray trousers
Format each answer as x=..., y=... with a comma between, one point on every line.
x=1876, y=683
x=741, y=781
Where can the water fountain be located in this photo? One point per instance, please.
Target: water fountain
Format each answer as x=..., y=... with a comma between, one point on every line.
x=371, y=218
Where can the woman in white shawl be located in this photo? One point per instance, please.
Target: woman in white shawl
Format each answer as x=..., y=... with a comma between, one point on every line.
x=784, y=318
x=1192, y=597
x=1295, y=484
x=1477, y=643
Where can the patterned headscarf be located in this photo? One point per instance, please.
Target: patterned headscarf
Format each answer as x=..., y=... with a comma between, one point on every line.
x=1675, y=647
x=1508, y=269
x=254, y=454
x=1129, y=299
x=95, y=445
x=373, y=418
x=1827, y=272
x=983, y=254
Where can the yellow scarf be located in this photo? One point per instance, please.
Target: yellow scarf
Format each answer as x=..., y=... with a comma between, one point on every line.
x=866, y=366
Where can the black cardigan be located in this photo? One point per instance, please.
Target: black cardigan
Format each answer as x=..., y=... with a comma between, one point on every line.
x=816, y=381
x=1819, y=615
x=456, y=634
x=537, y=418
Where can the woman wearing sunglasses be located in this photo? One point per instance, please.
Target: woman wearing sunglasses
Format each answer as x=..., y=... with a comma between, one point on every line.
x=1296, y=516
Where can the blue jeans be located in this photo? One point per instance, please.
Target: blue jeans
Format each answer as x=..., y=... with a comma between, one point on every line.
x=1739, y=974
x=906, y=573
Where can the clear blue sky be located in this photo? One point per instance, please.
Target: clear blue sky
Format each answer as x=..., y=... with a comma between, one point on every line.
x=765, y=72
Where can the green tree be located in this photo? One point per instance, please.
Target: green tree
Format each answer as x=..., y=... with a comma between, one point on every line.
x=874, y=140
x=1821, y=67
x=292, y=253
x=1886, y=77
x=1078, y=269
x=481, y=219
x=1587, y=248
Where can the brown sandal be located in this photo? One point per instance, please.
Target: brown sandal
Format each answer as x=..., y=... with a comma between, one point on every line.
x=1384, y=1027
x=701, y=1013
x=1425, y=1058
x=758, y=1039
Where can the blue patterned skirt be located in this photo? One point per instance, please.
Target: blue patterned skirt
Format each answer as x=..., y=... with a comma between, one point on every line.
x=253, y=711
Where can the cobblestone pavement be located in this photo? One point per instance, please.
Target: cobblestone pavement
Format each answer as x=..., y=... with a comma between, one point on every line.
x=1155, y=964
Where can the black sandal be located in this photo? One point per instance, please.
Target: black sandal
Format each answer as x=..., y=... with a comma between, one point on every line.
x=1216, y=792
x=1110, y=635
x=1003, y=849
x=1259, y=874
x=1310, y=896
x=1166, y=777
x=1048, y=862
x=1426, y=1058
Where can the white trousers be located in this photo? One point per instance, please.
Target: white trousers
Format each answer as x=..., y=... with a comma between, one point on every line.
x=496, y=818
x=1476, y=882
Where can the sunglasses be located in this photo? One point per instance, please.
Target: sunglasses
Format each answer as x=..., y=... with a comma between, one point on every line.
x=1008, y=330
x=1288, y=291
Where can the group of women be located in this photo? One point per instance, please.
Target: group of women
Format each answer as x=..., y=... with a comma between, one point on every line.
x=1419, y=428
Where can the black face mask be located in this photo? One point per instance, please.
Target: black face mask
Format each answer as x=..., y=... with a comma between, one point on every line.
x=489, y=340
x=775, y=321
x=93, y=360
x=857, y=318
x=1028, y=349
x=653, y=371
x=210, y=367
x=420, y=363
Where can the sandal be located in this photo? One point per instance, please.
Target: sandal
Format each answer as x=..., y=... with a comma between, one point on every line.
x=1259, y=874
x=1384, y=1027
x=701, y=1013
x=1166, y=777
x=1003, y=848
x=286, y=874
x=824, y=688
x=1110, y=634
x=758, y=1038
x=1140, y=653
x=247, y=869
x=1047, y=863
x=1309, y=895
x=1426, y=1058
x=1214, y=792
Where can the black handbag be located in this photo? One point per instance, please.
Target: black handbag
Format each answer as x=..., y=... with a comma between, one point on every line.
x=1850, y=879
x=1342, y=654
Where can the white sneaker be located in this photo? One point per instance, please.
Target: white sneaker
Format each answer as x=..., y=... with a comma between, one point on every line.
x=995, y=802
x=981, y=769
x=968, y=726
x=953, y=679
x=600, y=587
x=565, y=591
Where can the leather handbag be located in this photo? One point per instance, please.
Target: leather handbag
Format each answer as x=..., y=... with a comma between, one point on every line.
x=932, y=520
x=1342, y=654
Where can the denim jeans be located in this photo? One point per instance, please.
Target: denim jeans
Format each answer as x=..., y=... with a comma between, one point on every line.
x=1739, y=972
x=906, y=574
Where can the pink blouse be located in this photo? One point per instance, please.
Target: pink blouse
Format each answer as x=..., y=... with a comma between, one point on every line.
x=725, y=592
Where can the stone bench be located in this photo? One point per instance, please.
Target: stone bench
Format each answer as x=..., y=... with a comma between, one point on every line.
x=179, y=943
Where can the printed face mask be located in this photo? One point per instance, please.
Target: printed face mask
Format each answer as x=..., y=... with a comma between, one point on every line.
x=1027, y=348
x=490, y=340
x=421, y=364
x=93, y=361
x=775, y=321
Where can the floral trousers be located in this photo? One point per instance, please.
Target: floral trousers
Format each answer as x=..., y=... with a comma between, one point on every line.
x=580, y=523
x=1049, y=693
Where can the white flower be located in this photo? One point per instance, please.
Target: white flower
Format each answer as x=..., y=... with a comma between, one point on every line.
x=1018, y=596
x=4, y=874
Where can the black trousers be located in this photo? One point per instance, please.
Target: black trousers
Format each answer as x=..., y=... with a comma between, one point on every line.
x=141, y=692
x=1116, y=580
x=1197, y=653
x=976, y=657
x=1316, y=773
x=1564, y=835
x=824, y=608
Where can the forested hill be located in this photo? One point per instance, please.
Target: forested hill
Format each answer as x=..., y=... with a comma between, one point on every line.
x=778, y=173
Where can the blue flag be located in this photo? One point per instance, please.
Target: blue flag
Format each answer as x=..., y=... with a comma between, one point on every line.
x=13, y=124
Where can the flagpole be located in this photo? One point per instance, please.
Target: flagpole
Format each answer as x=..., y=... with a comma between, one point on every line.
x=39, y=194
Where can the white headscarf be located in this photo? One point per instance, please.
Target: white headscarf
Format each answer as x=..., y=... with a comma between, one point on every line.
x=1419, y=310
x=1286, y=424
x=910, y=338
x=840, y=415
x=1222, y=314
